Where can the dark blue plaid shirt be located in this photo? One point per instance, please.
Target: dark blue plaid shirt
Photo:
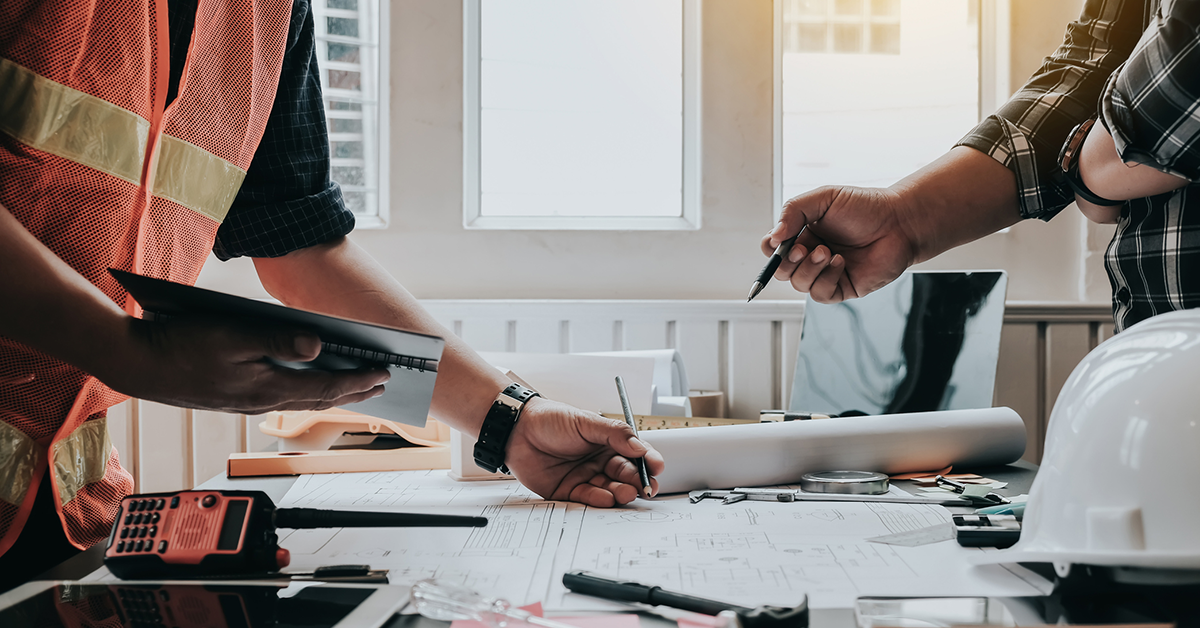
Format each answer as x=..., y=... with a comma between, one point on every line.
x=1136, y=65
x=287, y=201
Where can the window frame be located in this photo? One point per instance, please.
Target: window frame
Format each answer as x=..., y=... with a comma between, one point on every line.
x=994, y=54
x=380, y=217
x=691, y=150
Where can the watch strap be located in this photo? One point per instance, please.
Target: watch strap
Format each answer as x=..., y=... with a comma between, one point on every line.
x=1068, y=159
x=498, y=426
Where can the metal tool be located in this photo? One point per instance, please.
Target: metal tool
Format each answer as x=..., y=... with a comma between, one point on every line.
x=626, y=591
x=845, y=482
x=449, y=602
x=989, y=499
x=788, y=495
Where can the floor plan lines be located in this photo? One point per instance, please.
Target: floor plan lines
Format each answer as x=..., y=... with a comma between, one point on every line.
x=511, y=528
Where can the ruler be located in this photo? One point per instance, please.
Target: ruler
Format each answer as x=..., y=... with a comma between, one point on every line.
x=647, y=422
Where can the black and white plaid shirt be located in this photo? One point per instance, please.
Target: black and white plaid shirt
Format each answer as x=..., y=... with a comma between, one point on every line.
x=287, y=200
x=1136, y=63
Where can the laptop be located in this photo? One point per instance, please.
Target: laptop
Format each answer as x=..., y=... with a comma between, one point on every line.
x=927, y=341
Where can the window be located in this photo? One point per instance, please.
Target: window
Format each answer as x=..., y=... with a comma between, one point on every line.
x=872, y=90
x=583, y=118
x=841, y=26
x=353, y=76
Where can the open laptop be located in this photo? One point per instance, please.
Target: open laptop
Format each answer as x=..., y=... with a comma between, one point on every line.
x=927, y=341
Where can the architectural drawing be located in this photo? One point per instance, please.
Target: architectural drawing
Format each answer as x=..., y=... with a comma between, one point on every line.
x=750, y=553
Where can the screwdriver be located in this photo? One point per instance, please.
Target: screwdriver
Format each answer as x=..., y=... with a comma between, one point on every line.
x=449, y=602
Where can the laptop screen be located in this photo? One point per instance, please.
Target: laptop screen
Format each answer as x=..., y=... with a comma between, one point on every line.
x=927, y=341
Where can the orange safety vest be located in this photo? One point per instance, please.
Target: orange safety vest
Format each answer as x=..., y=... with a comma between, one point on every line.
x=98, y=170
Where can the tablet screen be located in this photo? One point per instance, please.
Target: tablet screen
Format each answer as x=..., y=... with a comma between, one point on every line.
x=216, y=605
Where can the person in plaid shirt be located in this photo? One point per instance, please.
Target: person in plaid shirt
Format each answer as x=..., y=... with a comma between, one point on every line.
x=1132, y=67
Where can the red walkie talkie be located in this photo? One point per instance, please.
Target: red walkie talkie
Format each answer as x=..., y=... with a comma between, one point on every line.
x=227, y=533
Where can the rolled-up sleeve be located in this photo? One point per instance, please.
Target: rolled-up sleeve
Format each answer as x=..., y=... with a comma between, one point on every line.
x=288, y=201
x=1026, y=133
x=1151, y=106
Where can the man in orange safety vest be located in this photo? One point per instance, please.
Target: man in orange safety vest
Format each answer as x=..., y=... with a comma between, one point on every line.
x=141, y=135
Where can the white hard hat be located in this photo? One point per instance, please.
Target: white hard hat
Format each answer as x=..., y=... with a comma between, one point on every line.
x=1119, y=483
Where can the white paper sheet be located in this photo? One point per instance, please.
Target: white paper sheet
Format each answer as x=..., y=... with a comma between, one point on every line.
x=755, y=553
x=510, y=558
x=748, y=553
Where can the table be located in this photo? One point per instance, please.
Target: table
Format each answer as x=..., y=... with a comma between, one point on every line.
x=1019, y=477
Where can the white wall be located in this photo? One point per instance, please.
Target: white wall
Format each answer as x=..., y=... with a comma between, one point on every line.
x=427, y=247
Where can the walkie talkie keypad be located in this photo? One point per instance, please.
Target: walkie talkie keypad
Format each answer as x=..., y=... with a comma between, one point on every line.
x=141, y=523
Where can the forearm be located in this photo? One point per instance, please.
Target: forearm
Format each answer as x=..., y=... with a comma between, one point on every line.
x=1105, y=174
x=341, y=279
x=53, y=308
x=963, y=196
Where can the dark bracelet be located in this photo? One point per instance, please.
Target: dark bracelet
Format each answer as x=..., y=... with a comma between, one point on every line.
x=1068, y=161
x=498, y=426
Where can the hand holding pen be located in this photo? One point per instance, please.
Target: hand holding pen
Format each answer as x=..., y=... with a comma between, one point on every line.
x=850, y=241
x=821, y=259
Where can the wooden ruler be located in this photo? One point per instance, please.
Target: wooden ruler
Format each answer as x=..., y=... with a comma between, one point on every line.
x=647, y=422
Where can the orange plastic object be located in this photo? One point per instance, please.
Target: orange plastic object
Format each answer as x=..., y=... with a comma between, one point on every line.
x=317, y=431
x=305, y=438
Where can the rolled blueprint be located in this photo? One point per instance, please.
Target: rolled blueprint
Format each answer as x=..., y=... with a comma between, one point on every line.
x=762, y=454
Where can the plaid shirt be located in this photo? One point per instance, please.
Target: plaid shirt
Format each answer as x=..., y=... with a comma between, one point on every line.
x=1136, y=64
x=287, y=200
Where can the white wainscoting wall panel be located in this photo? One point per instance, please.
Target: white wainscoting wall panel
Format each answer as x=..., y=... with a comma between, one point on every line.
x=746, y=350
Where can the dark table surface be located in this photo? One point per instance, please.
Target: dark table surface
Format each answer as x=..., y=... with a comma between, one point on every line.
x=1019, y=477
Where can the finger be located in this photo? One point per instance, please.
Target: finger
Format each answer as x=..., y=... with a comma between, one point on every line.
x=849, y=291
x=247, y=343
x=624, y=470
x=327, y=404
x=806, y=242
x=622, y=493
x=765, y=244
x=777, y=234
x=802, y=210
x=826, y=288
x=808, y=270
x=789, y=264
x=327, y=386
x=591, y=495
x=616, y=434
x=654, y=462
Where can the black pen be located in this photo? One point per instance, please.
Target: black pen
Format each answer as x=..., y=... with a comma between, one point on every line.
x=627, y=591
x=781, y=252
x=640, y=462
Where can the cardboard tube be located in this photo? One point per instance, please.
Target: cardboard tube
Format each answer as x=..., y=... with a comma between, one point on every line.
x=763, y=454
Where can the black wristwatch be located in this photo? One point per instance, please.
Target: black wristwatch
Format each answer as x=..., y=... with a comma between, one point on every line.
x=1068, y=161
x=498, y=426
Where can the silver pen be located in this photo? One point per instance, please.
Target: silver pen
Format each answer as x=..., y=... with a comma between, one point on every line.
x=640, y=463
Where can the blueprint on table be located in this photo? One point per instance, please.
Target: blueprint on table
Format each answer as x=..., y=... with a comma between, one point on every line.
x=748, y=553
x=509, y=558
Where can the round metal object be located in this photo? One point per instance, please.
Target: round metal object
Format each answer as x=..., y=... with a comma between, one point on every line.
x=846, y=482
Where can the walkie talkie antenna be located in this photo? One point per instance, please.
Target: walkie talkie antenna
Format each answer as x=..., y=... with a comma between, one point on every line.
x=302, y=518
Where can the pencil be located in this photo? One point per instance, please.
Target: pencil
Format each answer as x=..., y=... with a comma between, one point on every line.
x=640, y=462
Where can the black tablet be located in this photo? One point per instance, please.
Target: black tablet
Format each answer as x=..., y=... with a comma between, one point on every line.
x=215, y=605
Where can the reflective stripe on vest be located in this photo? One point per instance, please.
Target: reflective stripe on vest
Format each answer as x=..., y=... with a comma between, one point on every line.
x=101, y=170
x=77, y=460
x=73, y=125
